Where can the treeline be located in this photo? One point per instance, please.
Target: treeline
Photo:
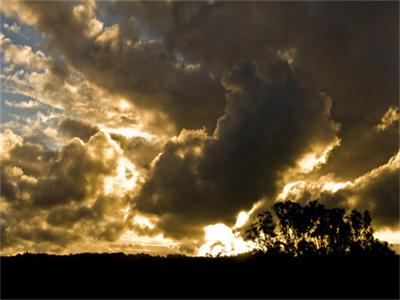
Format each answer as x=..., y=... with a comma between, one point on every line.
x=314, y=229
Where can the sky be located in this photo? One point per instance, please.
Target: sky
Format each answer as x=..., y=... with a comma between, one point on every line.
x=163, y=127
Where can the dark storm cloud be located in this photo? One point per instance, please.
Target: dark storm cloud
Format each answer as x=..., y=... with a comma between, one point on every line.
x=382, y=198
x=75, y=128
x=185, y=60
x=378, y=191
x=268, y=123
x=343, y=47
x=349, y=50
x=142, y=71
x=369, y=150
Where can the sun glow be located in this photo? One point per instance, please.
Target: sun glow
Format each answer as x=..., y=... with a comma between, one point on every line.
x=333, y=187
x=290, y=188
x=124, y=105
x=318, y=157
x=143, y=222
x=392, y=237
x=159, y=240
x=310, y=161
x=224, y=240
x=296, y=189
x=125, y=179
x=128, y=132
x=242, y=218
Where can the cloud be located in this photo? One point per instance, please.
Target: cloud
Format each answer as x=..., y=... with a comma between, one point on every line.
x=22, y=104
x=73, y=176
x=183, y=32
x=70, y=174
x=333, y=44
x=201, y=179
x=74, y=128
x=86, y=13
x=189, y=98
x=16, y=10
x=22, y=55
x=139, y=150
x=8, y=141
x=208, y=107
x=56, y=199
x=389, y=117
x=56, y=88
x=14, y=28
x=376, y=191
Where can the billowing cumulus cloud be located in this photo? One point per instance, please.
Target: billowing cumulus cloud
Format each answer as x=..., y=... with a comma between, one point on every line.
x=22, y=55
x=57, y=200
x=138, y=125
x=335, y=44
x=269, y=122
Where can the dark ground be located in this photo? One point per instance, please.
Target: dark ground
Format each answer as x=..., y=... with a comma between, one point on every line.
x=142, y=276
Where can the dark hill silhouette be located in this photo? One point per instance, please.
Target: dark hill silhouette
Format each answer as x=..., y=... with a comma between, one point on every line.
x=310, y=252
x=246, y=276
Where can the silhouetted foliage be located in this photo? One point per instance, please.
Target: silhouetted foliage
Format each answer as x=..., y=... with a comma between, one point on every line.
x=314, y=229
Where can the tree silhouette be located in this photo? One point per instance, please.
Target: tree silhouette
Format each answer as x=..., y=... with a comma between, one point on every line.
x=314, y=229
